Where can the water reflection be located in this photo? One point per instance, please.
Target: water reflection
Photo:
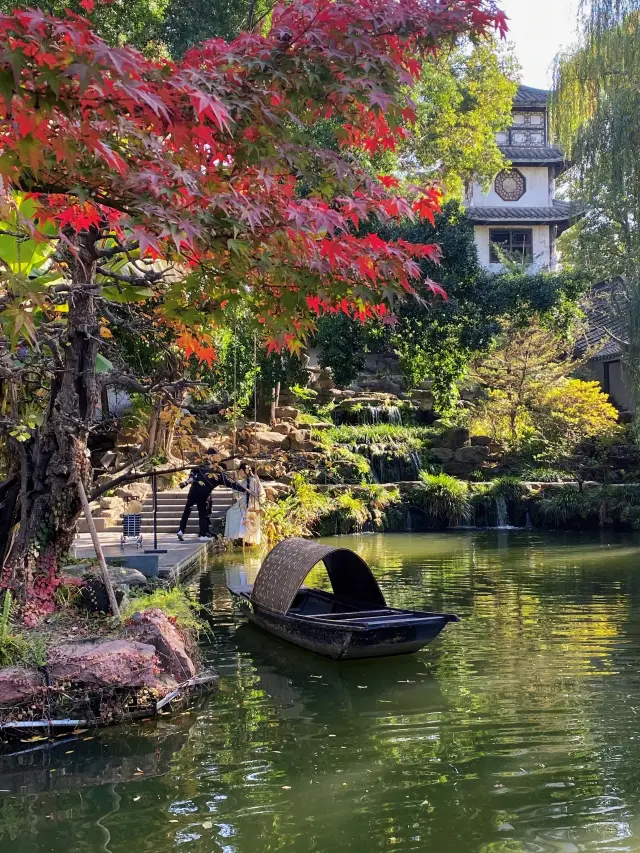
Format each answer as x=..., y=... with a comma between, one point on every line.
x=516, y=730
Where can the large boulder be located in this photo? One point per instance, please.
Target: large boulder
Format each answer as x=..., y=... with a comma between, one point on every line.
x=287, y=412
x=481, y=440
x=283, y=429
x=76, y=570
x=122, y=576
x=455, y=438
x=473, y=455
x=18, y=685
x=269, y=440
x=107, y=664
x=440, y=454
x=154, y=628
x=457, y=469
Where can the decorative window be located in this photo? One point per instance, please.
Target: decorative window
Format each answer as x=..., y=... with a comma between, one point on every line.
x=528, y=129
x=510, y=185
x=513, y=243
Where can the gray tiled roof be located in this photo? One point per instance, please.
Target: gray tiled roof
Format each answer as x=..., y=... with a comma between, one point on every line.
x=603, y=321
x=560, y=211
x=532, y=154
x=527, y=96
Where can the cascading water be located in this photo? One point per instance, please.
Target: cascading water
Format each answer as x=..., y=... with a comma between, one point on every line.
x=394, y=415
x=415, y=461
x=379, y=415
x=502, y=512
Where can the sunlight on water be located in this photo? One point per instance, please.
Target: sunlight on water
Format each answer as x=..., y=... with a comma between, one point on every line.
x=516, y=731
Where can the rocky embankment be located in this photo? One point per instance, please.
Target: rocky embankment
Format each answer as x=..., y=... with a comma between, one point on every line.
x=147, y=663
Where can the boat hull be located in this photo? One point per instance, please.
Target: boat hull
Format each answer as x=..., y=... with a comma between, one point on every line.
x=340, y=642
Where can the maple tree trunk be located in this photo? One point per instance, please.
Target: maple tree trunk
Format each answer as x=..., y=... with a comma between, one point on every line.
x=55, y=459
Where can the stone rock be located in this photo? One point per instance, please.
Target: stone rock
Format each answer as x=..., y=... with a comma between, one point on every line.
x=121, y=576
x=471, y=455
x=307, y=446
x=152, y=627
x=283, y=429
x=110, y=503
x=112, y=663
x=287, y=412
x=457, y=469
x=440, y=454
x=19, y=685
x=322, y=425
x=232, y=464
x=134, y=490
x=384, y=385
x=94, y=597
x=269, y=439
x=455, y=438
x=76, y=570
x=481, y=440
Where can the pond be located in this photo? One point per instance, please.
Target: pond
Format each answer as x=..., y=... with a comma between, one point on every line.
x=516, y=730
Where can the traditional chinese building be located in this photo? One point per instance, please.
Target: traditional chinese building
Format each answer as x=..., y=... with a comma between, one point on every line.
x=519, y=216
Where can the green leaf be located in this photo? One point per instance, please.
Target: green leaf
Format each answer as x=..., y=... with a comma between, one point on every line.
x=103, y=365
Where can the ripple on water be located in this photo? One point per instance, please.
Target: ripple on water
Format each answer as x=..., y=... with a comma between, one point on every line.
x=517, y=731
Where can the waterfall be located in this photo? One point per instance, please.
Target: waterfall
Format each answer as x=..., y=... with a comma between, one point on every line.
x=379, y=415
x=415, y=461
x=502, y=512
x=408, y=521
x=527, y=522
x=394, y=415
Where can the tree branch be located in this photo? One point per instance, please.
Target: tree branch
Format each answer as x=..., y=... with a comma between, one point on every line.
x=134, y=477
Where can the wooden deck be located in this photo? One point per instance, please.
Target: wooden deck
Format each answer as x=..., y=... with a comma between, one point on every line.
x=181, y=560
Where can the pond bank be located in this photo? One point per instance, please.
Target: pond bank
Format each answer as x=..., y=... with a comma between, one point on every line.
x=439, y=501
x=78, y=672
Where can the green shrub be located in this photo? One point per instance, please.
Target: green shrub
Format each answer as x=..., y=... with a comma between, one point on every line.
x=177, y=603
x=565, y=505
x=545, y=474
x=296, y=514
x=351, y=512
x=15, y=648
x=510, y=488
x=445, y=500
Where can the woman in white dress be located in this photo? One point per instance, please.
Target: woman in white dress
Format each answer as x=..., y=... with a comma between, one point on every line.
x=253, y=500
x=243, y=517
x=235, y=517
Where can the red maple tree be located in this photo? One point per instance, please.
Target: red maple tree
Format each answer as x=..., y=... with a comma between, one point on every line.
x=182, y=182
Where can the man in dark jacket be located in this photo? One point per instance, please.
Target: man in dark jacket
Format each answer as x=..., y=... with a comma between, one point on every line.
x=203, y=480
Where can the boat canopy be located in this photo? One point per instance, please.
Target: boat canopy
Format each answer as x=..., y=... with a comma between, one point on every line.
x=287, y=565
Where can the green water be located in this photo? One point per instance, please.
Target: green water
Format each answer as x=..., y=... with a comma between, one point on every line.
x=516, y=730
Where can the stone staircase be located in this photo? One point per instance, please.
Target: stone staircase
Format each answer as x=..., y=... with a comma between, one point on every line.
x=171, y=505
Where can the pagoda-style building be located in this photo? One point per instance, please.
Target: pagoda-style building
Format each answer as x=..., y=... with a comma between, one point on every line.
x=519, y=217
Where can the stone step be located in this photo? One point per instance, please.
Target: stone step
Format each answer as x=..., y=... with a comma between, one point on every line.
x=220, y=501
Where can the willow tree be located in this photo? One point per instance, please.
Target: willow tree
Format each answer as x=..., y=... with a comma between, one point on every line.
x=596, y=115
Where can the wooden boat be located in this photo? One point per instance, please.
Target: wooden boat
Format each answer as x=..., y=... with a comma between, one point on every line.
x=352, y=621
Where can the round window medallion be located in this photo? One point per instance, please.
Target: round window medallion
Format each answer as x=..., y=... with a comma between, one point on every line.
x=510, y=185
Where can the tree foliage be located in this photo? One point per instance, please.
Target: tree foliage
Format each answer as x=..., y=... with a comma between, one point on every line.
x=138, y=23
x=177, y=183
x=437, y=339
x=596, y=115
x=464, y=97
x=531, y=402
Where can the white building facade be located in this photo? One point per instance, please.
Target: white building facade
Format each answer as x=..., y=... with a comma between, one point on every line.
x=519, y=216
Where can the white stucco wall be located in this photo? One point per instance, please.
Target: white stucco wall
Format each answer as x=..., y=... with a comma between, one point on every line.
x=541, y=246
x=538, y=193
x=618, y=389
